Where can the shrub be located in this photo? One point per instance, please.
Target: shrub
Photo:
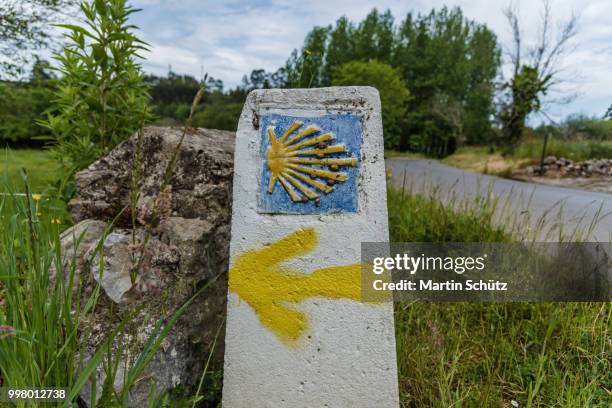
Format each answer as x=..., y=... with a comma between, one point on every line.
x=580, y=126
x=101, y=98
x=222, y=116
x=577, y=150
x=21, y=105
x=393, y=93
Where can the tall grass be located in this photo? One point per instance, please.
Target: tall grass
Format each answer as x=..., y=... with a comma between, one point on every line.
x=41, y=306
x=576, y=150
x=494, y=355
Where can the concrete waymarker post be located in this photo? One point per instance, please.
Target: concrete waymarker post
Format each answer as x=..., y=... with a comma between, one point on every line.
x=309, y=187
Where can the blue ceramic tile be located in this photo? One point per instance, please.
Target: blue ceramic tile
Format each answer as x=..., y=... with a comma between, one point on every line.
x=314, y=172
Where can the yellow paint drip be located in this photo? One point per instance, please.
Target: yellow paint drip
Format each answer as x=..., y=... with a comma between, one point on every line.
x=272, y=290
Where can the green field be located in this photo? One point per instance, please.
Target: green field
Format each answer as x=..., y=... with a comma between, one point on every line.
x=40, y=166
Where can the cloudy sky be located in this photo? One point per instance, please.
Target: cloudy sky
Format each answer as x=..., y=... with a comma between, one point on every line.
x=228, y=38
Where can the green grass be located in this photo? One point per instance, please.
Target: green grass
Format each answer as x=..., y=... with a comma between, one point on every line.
x=390, y=154
x=483, y=159
x=42, y=169
x=43, y=304
x=576, y=150
x=42, y=172
x=488, y=160
x=488, y=355
x=449, y=354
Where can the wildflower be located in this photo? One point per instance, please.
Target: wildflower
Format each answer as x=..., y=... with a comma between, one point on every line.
x=36, y=197
x=38, y=214
x=57, y=221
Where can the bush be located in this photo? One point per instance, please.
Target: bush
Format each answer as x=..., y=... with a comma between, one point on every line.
x=102, y=98
x=219, y=116
x=577, y=150
x=21, y=105
x=583, y=127
x=393, y=93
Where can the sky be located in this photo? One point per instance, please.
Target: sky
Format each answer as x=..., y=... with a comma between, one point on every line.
x=229, y=38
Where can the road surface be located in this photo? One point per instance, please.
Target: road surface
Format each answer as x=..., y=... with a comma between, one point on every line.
x=561, y=209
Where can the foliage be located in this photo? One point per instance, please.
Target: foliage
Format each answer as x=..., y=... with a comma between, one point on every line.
x=41, y=348
x=219, y=115
x=470, y=354
x=393, y=93
x=447, y=62
x=24, y=28
x=589, y=128
x=260, y=79
x=577, y=150
x=178, y=89
x=172, y=96
x=38, y=348
x=525, y=89
x=101, y=98
x=487, y=355
x=23, y=103
x=418, y=218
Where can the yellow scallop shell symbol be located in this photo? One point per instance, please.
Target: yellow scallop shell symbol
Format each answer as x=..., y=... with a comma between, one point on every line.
x=305, y=162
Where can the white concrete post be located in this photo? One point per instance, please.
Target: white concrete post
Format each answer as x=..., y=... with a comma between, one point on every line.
x=309, y=187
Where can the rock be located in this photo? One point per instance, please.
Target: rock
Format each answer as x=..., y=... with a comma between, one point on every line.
x=86, y=233
x=185, y=250
x=199, y=183
x=550, y=160
x=587, y=168
x=563, y=162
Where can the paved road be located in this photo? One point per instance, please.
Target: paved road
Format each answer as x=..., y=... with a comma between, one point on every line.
x=564, y=209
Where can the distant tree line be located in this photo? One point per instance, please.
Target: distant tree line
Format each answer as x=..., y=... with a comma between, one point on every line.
x=447, y=62
x=22, y=105
x=437, y=74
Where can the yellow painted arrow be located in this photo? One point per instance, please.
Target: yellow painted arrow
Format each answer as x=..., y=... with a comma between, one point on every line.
x=271, y=289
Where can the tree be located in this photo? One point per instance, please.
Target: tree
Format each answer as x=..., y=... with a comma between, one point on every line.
x=260, y=79
x=23, y=103
x=441, y=56
x=327, y=48
x=340, y=48
x=537, y=69
x=24, y=27
x=390, y=85
x=305, y=70
x=449, y=64
x=374, y=37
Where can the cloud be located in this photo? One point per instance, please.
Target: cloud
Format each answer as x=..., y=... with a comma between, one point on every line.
x=229, y=38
